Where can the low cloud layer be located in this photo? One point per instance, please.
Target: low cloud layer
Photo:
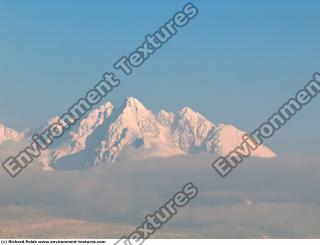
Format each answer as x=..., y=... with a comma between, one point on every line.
x=260, y=198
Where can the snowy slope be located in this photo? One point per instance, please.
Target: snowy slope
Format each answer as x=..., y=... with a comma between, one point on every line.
x=230, y=137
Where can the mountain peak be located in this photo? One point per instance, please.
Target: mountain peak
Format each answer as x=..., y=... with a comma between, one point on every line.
x=165, y=118
x=8, y=133
x=133, y=110
x=187, y=112
x=133, y=102
x=105, y=106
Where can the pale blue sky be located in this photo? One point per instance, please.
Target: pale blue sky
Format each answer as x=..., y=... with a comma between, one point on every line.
x=235, y=62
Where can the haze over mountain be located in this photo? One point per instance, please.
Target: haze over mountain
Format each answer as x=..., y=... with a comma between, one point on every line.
x=132, y=132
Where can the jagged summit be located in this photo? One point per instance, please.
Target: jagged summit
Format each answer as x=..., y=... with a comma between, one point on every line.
x=105, y=106
x=108, y=134
x=165, y=118
x=133, y=102
x=9, y=134
x=186, y=110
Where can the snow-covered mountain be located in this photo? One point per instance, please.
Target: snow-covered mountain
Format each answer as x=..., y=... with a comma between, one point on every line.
x=108, y=134
x=9, y=134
